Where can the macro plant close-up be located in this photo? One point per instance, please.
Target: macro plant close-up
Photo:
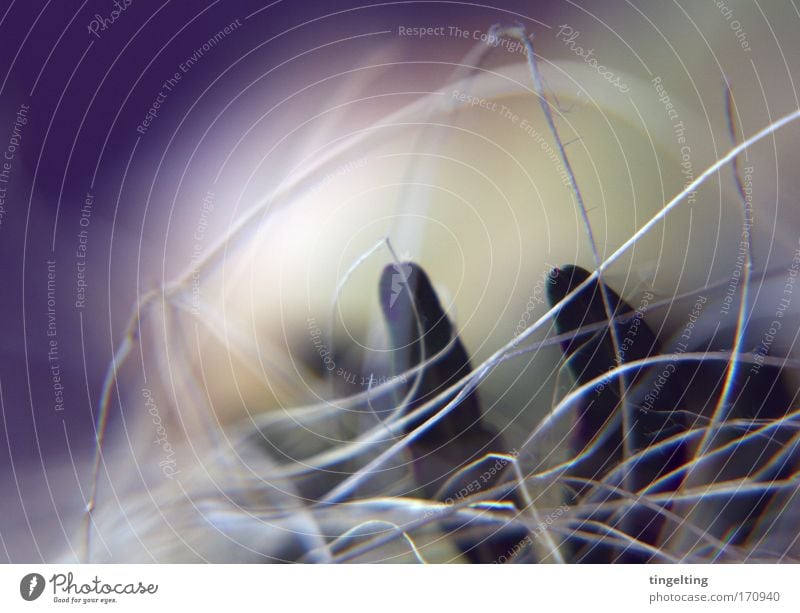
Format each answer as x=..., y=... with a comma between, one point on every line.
x=403, y=282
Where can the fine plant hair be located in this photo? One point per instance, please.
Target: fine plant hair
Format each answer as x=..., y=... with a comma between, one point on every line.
x=373, y=497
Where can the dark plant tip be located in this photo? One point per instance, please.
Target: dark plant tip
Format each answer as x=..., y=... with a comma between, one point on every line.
x=405, y=288
x=563, y=279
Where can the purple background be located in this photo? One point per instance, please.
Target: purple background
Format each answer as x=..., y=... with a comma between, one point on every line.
x=86, y=96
